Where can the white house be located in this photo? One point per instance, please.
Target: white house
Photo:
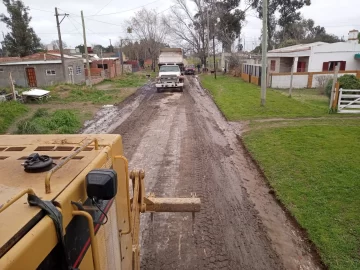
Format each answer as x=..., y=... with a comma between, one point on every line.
x=316, y=57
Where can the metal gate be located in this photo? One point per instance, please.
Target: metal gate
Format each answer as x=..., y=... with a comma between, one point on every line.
x=349, y=101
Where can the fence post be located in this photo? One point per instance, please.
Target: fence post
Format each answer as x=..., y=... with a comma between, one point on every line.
x=12, y=86
x=336, y=98
x=340, y=97
x=337, y=68
x=291, y=80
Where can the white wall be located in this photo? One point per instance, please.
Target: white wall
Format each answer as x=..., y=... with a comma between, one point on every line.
x=315, y=83
x=283, y=81
x=341, y=51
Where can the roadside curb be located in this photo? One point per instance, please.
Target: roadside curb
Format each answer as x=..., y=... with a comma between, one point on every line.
x=303, y=232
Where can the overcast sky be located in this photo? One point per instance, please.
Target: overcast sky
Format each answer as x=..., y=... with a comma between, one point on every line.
x=338, y=17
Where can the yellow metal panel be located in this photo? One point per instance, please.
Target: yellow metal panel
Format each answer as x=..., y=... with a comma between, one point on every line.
x=123, y=211
x=32, y=249
x=67, y=185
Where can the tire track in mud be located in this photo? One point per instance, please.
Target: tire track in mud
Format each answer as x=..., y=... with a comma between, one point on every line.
x=185, y=146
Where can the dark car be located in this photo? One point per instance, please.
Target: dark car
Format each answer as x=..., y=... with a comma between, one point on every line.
x=190, y=70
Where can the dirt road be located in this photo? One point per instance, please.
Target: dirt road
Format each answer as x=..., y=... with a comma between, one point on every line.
x=186, y=146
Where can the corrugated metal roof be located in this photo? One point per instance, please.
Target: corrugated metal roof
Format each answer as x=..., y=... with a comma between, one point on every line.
x=31, y=63
x=65, y=55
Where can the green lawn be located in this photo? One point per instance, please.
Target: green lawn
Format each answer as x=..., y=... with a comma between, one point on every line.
x=240, y=100
x=9, y=112
x=45, y=121
x=108, y=92
x=314, y=168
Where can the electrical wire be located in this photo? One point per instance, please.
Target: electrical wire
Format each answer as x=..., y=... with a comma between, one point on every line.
x=70, y=20
x=103, y=8
x=125, y=10
x=97, y=206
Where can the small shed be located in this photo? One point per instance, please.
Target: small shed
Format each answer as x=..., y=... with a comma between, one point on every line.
x=42, y=72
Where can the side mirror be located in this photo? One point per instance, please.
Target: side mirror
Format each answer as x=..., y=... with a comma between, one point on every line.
x=101, y=184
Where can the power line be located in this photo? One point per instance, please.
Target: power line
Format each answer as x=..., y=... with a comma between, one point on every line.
x=103, y=7
x=165, y=9
x=70, y=20
x=125, y=10
x=43, y=10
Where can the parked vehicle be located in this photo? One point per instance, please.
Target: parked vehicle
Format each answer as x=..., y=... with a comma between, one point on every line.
x=190, y=70
x=169, y=77
x=171, y=56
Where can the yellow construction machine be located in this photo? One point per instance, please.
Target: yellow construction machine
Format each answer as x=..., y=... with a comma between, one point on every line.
x=69, y=202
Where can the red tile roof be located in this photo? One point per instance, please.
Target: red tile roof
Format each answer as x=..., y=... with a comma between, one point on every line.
x=10, y=59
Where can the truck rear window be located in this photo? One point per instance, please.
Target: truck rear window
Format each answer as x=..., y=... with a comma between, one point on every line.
x=169, y=68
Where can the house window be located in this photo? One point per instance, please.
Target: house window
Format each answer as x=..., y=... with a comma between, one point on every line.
x=78, y=70
x=50, y=72
x=301, y=67
x=330, y=66
x=101, y=66
x=273, y=65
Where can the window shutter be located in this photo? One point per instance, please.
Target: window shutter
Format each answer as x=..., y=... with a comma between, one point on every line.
x=326, y=66
x=342, y=65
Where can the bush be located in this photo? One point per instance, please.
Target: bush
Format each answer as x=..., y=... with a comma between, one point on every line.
x=322, y=82
x=346, y=82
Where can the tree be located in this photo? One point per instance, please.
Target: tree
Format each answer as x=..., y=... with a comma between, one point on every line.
x=231, y=18
x=148, y=25
x=81, y=48
x=97, y=48
x=187, y=27
x=21, y=40
x=289, y=14
x=303, y=31
x=56, y=44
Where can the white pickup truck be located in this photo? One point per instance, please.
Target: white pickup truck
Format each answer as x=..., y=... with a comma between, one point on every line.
x=170, y=77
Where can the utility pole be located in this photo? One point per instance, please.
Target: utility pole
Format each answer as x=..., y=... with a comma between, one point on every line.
x=264, y=54
x=121, y=58
x=86, y=50
x=214, y=56
x=60, y=41
x=102, y=61
x=208, y=37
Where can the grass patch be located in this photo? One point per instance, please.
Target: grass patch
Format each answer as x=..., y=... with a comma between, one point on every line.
x=311, y=96
x=109, y=91
x=9, y=112
x=315, y=172
x=128, y=80
x=45, y=122
x=240, y=100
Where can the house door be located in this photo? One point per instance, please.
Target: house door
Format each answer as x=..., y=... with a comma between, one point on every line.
x=71, y=74
x=31, y=76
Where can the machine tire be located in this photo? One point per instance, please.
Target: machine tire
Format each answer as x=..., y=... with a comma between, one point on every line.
x=181, y=89
x=158, y=89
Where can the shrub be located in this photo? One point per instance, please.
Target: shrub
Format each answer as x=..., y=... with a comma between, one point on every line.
x=346, y=82
x=322, y=82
